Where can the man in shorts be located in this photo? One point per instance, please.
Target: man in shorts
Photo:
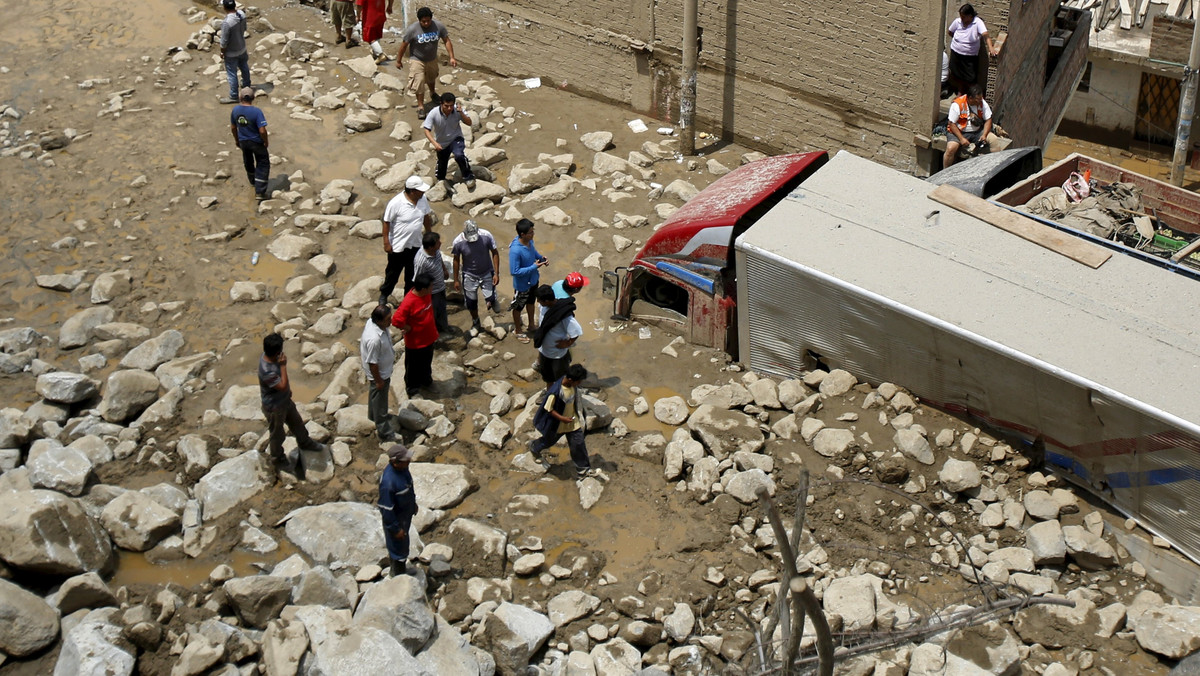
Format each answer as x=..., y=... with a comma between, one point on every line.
x=524, y=261
x=344, y=15
x=476, y=267
x=420, y=40
x=968, y=125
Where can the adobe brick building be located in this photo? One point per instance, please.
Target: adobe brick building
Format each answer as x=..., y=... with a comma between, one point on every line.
x=781, y=76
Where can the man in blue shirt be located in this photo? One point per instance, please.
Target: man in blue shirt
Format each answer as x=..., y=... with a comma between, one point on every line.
x=249, y=127
x=523, y=263
x=397, y=506
x=570, y=285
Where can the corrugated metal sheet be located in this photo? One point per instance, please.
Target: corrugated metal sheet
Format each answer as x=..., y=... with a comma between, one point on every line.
x=977, y=321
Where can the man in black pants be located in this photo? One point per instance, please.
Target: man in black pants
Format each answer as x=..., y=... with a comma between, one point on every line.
x=405, y=219
x=275, y=391
x=249, y=128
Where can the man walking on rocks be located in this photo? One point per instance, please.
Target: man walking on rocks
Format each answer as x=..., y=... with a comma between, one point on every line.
x=523, y=263
x=233, y=49
x=378, y=359
x=404, y=220
x=444, y=133
x=476, y=267
x=428, y=261
x=420, y=40
x=415, y=320
x=277, y=406
x=374, y=15
x=556, y=333
x=560, y=414
x=344, y=15
x=249, y=127
x=397, y=506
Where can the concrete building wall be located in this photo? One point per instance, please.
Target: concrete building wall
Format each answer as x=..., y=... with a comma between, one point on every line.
x=1108, y=109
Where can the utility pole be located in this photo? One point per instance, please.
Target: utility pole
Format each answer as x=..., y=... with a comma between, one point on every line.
x=687, y=97
x=1187, y=108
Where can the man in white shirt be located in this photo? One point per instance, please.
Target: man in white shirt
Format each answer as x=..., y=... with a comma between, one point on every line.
x=407, y=217
x=968, y=124
x=378, y=359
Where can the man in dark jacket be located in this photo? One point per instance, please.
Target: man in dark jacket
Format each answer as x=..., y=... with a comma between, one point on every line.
x=397, y=505
x=559, y=414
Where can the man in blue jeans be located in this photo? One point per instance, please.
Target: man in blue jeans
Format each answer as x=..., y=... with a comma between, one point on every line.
x=442, y=130
x=249, y=128
x=233, y=49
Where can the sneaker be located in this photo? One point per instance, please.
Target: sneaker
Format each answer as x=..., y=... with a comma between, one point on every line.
x=477, y=327
x=421, y=113
x=592, y=472
x=380, y=59
x=351, y=43
x=226, y=100
x=470, y=184
x=340, y=40
x=540, y=459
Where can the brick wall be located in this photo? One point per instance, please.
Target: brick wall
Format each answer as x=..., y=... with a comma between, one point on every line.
x=1171, y=38
x=779, y=76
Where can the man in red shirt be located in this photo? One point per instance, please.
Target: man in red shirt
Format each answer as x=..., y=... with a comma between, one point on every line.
x=415, y=320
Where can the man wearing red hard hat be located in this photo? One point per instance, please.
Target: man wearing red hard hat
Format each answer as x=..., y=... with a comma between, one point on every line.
x=572, y=284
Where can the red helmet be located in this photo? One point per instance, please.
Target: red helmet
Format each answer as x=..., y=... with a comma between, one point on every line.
x=575, y=281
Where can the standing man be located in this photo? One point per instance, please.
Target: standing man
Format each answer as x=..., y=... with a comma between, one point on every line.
x=423, y=37
x=557, y=332
x=277, y=406
x=570, y=285
x=476, y=266
x=249, y=127
x=404, y=219
x=560, y=414
x=523, y=263
x=378, y=358
x=428, y=261
x=397, y=506
x=374, y=15
x=968, y=124
x=233, y=49
x=414, y=318
x=444, y=133
x=344, y=15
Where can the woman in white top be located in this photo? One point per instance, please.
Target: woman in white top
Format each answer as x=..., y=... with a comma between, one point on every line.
x=966, y=33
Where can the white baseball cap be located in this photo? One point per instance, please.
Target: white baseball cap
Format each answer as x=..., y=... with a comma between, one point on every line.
x=470, y=231
x=415, y=183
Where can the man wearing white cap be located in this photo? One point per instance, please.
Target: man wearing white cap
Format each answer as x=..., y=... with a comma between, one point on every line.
x=476, y=267
x=397, y=506
x=407, y=217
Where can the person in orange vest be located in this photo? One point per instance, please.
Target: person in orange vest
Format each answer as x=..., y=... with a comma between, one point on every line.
x=968, y=124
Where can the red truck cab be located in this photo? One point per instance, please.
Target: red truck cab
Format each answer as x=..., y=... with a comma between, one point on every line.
x=683, y=279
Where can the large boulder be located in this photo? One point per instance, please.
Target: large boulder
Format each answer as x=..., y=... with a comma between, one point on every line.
x=349, y=532
x=61, y=468
x=289, y=247
x=397, y=605
x=96, y=647
x=524, y=178
x=127, y=393
x=450, y=653
x=671, y=410
x=340, y=648
x=48, y=532
x=480, y=549
x=1046, y=541
x=258, y=598
x=232, y=481
x=513, y=633
x=137, y=522
x=439, y=486
x=27, y=623
x=178, y=371
x=65, y=387
x=154, y=352
x=1089, y=550
x=570, y=606
x=1171, y=631
x=242, y=402
x=79, y=327
x=725, y=432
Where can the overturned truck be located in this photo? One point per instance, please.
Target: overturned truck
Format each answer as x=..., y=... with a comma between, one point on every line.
x=812, y=261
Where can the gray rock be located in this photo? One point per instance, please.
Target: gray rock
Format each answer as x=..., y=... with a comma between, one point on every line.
x=127, y=393
x=913, y=444
x=15, y=428
x=359, y=529
x=1039, y=505
x=66, y=388
x=365, y=291
x=78, y=328
x=744, y=486
x=617, y=656
x=62, y=469
x=61, y=282
x=242, y=402
x=553, y=216
x=248, y=292
x=27, y=623
x=524, y=177
x=47, y=532
x=1171, y=631
x=837, y=383
x=959, y=475
x=679, y=623
x=681, y=190
x=362, y=120
x=258, y=598
x=397, y=606
x=441, y=486
x=570, y=606
x=495, y=433
x=513, y=633
x=284, y=644
x=830, y=441
x=1046, y=541
x=136, y=522
x=596, y=141
x=353, y=421
x=232, y=481
x=83, y=591
x=1088, y=550
x=178, y=371
x=289, y=247
x=480, y=548
x=765, y=393
x=671, y=410
x=95, y=646
x=111, y=285
x=725, y=432
x=484, y=190
x=318, y=586
x=450, y=653
x=132, y=333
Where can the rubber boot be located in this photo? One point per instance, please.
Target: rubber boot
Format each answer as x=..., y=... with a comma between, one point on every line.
x=399, y=567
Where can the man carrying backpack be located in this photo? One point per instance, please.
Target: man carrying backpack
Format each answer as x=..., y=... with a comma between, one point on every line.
x=561, y=414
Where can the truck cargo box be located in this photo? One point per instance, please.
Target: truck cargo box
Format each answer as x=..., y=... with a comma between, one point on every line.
x=858, y=269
